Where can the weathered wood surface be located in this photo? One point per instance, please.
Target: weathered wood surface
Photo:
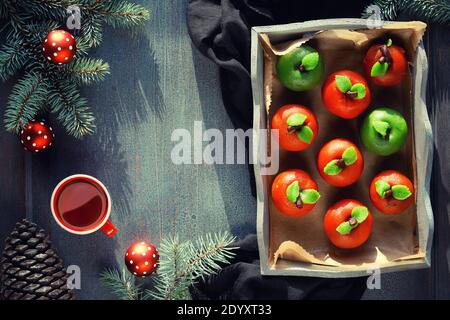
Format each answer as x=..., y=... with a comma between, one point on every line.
x=159, y=83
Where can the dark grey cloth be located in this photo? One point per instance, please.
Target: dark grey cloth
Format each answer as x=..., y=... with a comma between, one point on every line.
x=242, y=280
x=220, y=29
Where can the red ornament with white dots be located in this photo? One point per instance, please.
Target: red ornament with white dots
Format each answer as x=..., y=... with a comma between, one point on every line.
x=59, y=47
x=142, y=259
x=37, y=136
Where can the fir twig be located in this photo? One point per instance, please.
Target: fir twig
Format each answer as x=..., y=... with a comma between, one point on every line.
x=87, y=70
x=121, y=283
x=29, y=22
x=203, y=258
x=72, y=109
x=27, y=99
x=124, y=14
x=12, y=57
x=181, y=264
x=436, y=11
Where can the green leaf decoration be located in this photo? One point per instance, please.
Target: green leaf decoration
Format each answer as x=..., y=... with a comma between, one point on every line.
x=360, y=89
x=400, y=192
x=389, y=42
x=360, y=213
x=381, y=127
x=332, y=168
x=349, y=156
x=343, y=83
x=297, y=119
x=310, y=196
x=305, y=134
x=344, y=228
x=381, y=187
x=310, y=61
x=379, y=69
x=293, y=191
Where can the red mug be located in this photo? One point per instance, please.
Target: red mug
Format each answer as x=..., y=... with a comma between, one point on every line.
x=81, y=204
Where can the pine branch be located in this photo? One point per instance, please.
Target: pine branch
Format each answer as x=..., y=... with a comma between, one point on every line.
x=87, y=70
x=122, y=284
x=173, y=258
x=12, y=57
x=92, y=30
x=181, y=267
x=73, y=112
x=436, y=11
x=122, y=14
x=50, y=10
x=29, y=22
x=27, y=99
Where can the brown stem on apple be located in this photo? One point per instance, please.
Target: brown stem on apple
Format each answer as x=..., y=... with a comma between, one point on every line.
x=388, y=194
x=301, y=67
x=299, y=202
x=292, y=129
x=351, y=94
x=341, y=163
x=388, y=132
x=352, y=221
x=385, y=54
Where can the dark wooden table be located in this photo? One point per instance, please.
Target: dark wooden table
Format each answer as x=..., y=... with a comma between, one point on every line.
x=159, y=82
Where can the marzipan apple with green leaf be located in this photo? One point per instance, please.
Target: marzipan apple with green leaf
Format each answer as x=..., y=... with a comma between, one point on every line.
x=294, y=192
x=384, y=131
x=340, y=163
x=295, y=127
x=386, y=64
x=300, y=69
x=391, y=192
x=348, y=224
x=346, y=94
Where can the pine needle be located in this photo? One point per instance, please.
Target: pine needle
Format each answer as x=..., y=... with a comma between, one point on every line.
x=121, y=283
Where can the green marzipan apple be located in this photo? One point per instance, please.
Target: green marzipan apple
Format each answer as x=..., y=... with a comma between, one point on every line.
x=384, y=131
x=301, y=69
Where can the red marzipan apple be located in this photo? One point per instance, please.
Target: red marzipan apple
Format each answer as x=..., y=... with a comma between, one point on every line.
x=340, y=163
x=385, y=64
x=297, y=127
x=294, y=192
x=346, y=94
x=391, y=192
x=348, y=224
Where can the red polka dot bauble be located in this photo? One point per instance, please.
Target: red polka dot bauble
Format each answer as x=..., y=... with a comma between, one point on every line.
x=59, y=47
x=37, y=136
x=141, y=259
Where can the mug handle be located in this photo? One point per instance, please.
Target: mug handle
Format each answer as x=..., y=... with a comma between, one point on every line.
x=109, y=228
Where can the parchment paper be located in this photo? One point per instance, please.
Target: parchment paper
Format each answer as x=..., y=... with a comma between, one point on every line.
x=302, y=238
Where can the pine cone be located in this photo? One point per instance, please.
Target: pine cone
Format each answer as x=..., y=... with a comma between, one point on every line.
x=30, y=268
